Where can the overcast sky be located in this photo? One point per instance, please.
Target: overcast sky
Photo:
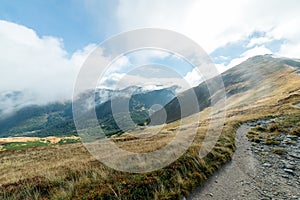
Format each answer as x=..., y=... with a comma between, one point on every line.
x=44, y=43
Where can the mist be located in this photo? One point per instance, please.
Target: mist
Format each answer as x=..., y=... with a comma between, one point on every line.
x=35, y=70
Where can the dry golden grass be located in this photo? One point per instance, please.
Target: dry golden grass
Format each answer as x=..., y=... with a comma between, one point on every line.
x=41, y=161
x=51, y=139
x=70, y=172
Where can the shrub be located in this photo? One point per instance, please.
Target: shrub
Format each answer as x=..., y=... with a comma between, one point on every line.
x=271, y=142
x=260, y=128
x=273, y=127
x=279, y=151
x=296, y=131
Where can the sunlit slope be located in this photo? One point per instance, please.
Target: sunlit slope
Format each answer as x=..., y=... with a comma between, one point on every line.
x=256, y=78
x=260, y=87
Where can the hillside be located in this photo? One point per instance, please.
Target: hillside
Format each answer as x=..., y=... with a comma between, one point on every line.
x=247, y=76
x=56, y=119
x=262, y=87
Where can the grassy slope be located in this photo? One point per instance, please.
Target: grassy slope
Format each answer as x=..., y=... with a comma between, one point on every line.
x=69, y=172
x=56, y=119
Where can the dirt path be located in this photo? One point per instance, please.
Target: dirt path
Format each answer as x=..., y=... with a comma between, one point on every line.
x=254, y=173
x=236, y=179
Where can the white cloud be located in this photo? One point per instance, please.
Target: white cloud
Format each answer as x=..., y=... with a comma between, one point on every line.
x=80, y=55
x=151, y=75
x=41, y=65
x=147, y=55
x=258, y=41
x=193, y=78
x=123, y=80
x=38, y=66
x=290, y=49
x=221, y=67
x=213, y=24
x=257, y=50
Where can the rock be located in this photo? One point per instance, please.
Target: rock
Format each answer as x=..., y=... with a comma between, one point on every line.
x=267, y=165
x=284, y=176
x=277, y=139
x=292, y=163
x=288, y=166
x=211, y=194
x=285, y=140
x=295, y=155
x=290, y=183
x=290, y=171
x=292, y=137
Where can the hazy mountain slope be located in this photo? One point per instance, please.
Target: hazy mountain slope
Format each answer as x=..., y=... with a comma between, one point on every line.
x=9, y=101
x=19, y=116
x=28, y=120
x=139, y=107
x=249, y=75
x=57, y=118
x=256, y=74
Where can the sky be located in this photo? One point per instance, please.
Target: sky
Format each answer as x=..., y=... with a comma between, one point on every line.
x=45, y=43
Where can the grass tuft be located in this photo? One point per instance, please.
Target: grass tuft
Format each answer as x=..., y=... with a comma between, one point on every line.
x=279, y=151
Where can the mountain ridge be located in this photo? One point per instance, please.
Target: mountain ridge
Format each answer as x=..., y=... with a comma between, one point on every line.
x=57, y=118
x=241, y=78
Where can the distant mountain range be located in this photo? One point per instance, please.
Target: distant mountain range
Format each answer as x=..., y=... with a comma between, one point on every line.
x=10, y=101
x=57, y=118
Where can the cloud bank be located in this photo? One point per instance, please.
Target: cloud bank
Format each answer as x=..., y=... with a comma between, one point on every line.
x=41, y=67
x=215, y=24
x=38, y=67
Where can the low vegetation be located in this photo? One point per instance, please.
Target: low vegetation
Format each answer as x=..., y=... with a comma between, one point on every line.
x=287, y=124
x=69, y=171
x=22, y=145
x=18, y=143
x=279, y=151
x=81, y=177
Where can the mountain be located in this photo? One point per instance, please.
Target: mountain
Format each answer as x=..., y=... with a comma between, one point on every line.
x=249, y=75
x=102, y=95
x=140, y=105
x=10, y=101
x=259, y=74
x=38, y=120
x=56, y=119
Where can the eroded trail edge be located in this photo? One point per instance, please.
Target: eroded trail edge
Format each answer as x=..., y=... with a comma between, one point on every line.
x=235, y=179
x=254, y=174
